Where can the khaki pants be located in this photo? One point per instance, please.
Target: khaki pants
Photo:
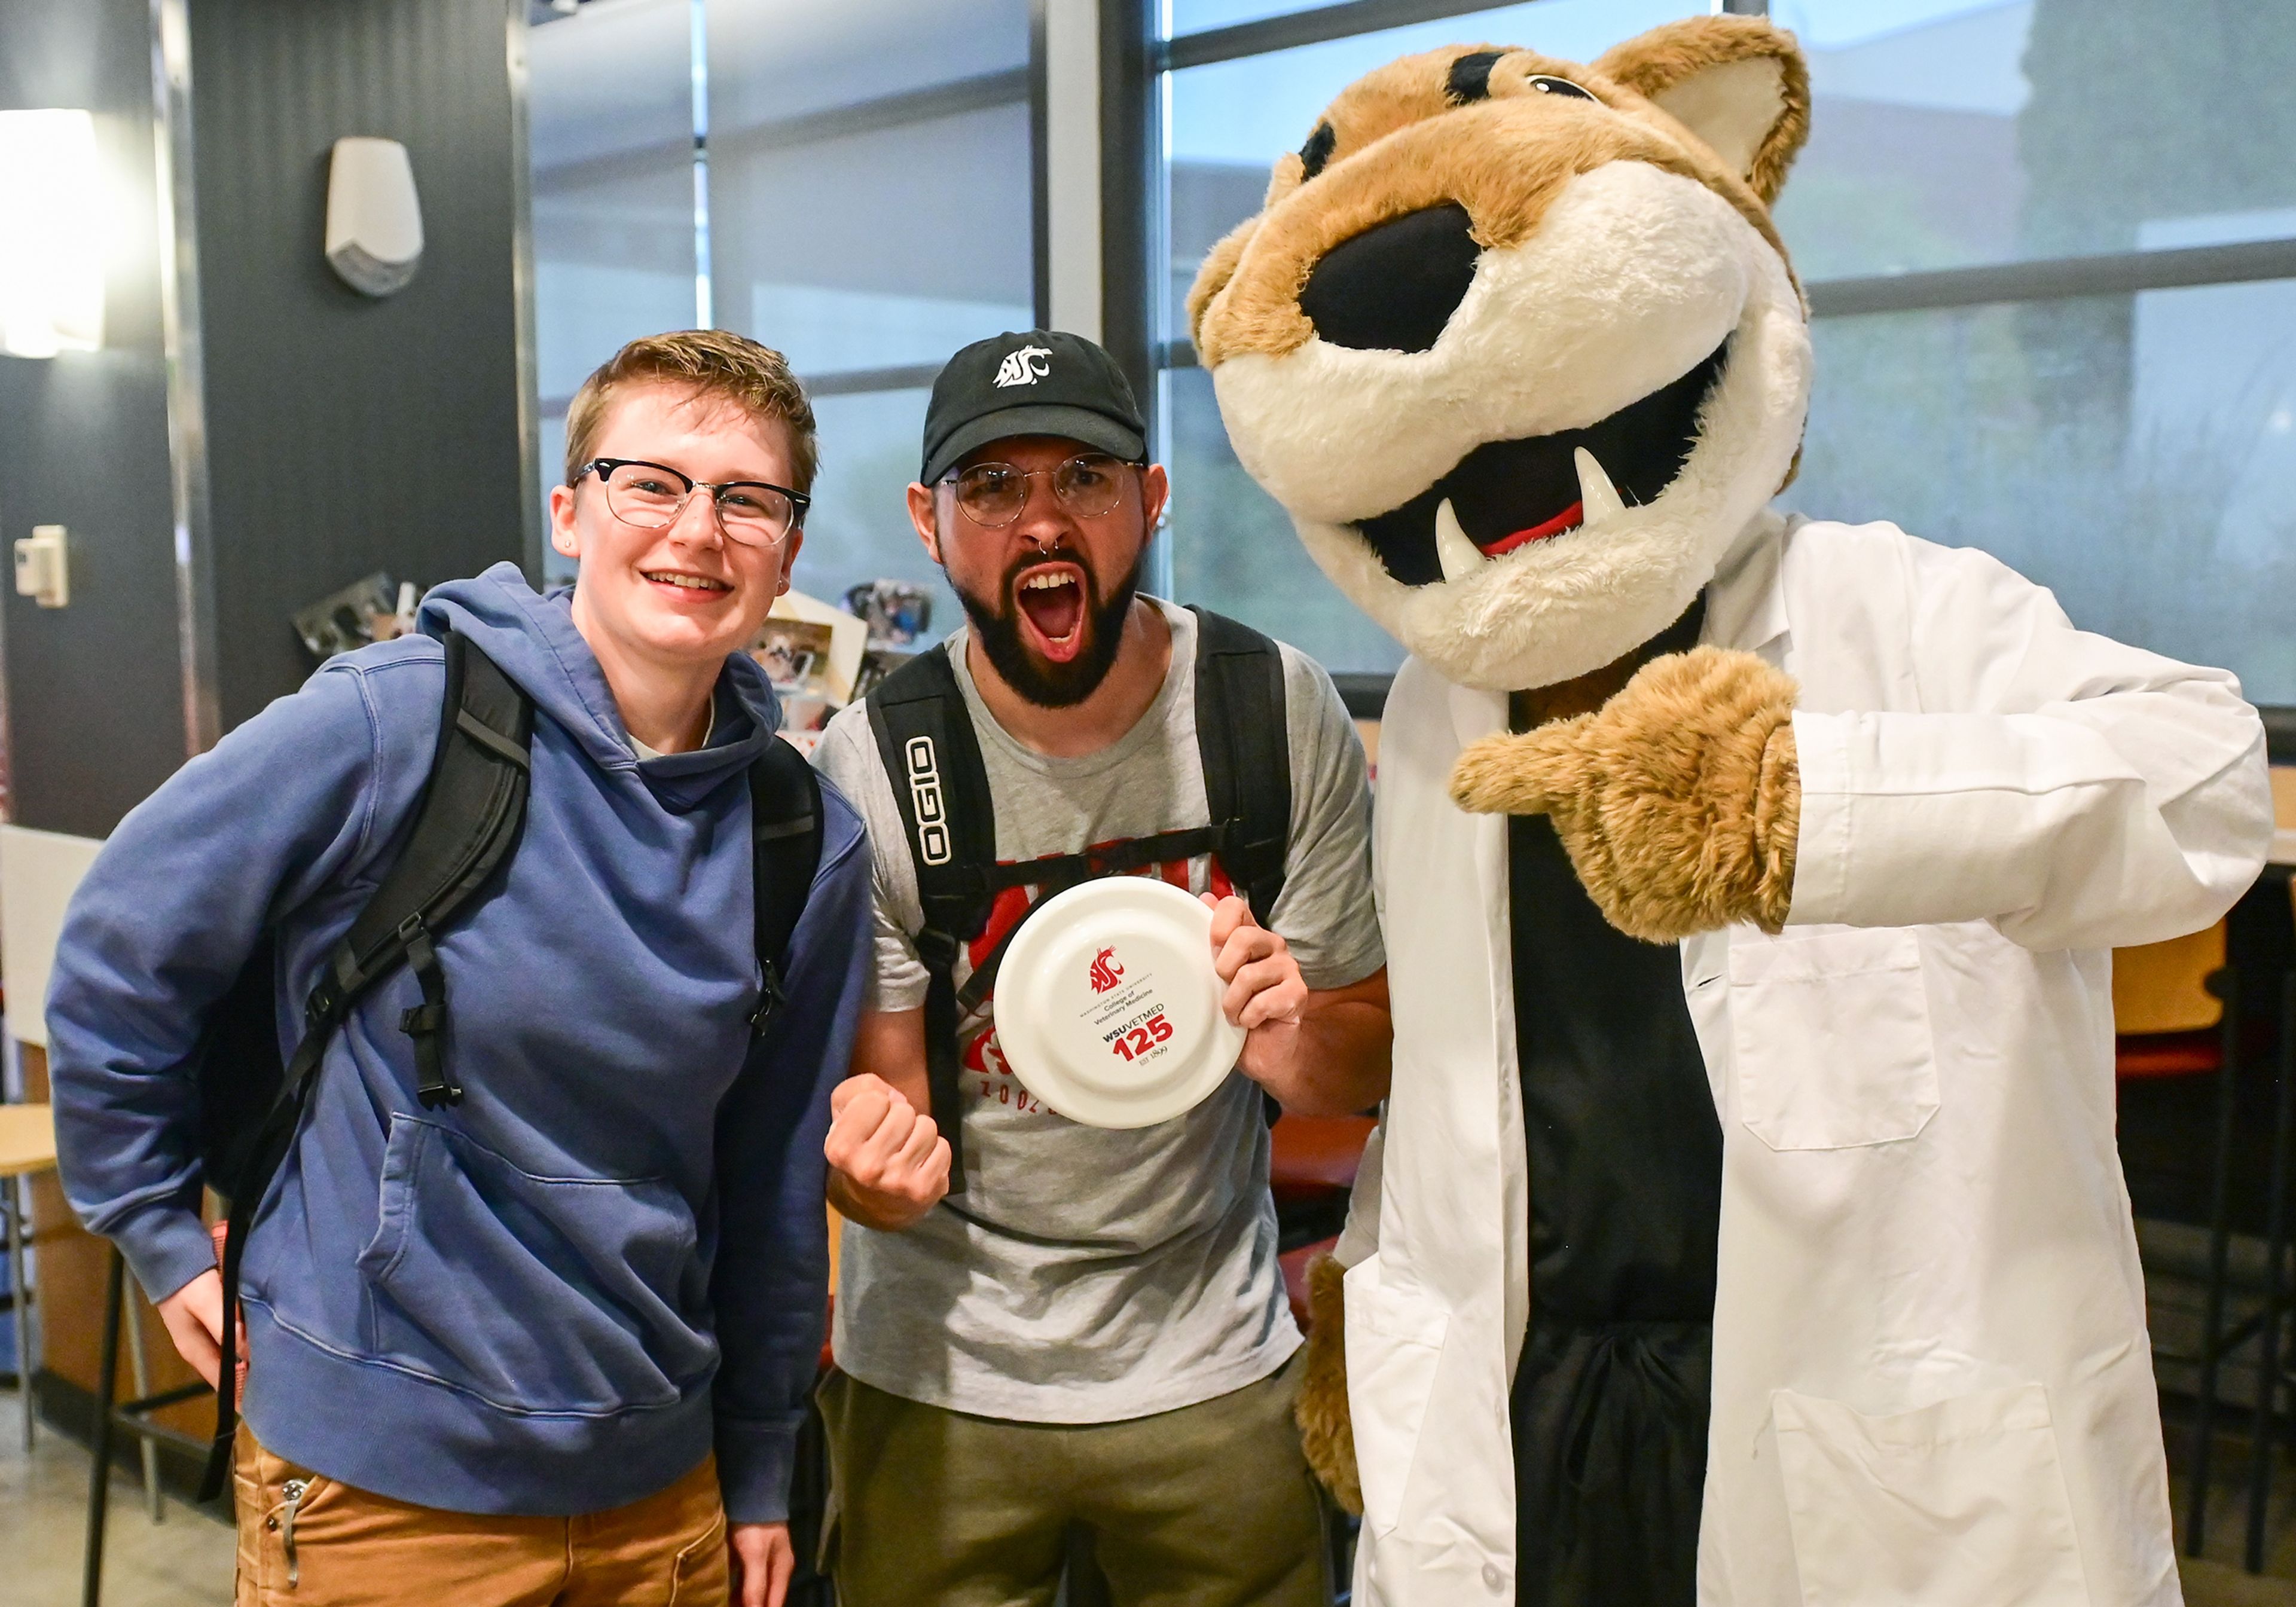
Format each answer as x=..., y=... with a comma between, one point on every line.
x=344, y=1547
x=1211, y=1505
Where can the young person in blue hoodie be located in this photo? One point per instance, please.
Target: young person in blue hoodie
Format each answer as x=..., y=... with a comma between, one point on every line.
x=551, y=1344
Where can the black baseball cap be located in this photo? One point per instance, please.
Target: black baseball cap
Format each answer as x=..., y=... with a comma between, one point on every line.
x=1039, y=381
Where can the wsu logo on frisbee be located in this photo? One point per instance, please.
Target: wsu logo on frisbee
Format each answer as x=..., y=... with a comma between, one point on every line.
x=1106, y=972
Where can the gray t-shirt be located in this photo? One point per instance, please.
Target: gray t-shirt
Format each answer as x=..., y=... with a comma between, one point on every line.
x=1090, y=1276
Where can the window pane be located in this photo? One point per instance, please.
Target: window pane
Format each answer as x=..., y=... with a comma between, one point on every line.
x=1231, y=547
x=1946, y=133
x=859, y=528
x=771, y=60
x=1195, y=16
x=1234, y=549
x=1229, y=121
x=611, y=120
x=2136, y=455
x=870, y=204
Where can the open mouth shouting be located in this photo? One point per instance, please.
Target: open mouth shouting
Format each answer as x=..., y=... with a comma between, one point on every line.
x=1506, y=494
x=1050, y=599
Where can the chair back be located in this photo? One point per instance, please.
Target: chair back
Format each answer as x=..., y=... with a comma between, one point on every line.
x=2163, y=987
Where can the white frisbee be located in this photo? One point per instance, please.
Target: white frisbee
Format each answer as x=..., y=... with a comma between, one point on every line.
x=1107, y=1005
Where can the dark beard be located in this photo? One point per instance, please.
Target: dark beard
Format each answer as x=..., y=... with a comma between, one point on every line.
x=1047, y=684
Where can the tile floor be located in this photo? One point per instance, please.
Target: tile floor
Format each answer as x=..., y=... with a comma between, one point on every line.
x=186, y=1561
x=183, y=1562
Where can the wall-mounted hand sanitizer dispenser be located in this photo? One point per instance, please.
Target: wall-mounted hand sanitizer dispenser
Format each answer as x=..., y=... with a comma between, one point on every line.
x=43, y=567
x=374, y=222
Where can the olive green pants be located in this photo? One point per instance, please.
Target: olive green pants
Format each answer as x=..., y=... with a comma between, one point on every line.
x=1211, y=1505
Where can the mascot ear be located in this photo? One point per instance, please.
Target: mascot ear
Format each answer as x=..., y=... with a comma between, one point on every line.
x=1737, y=83
x=1219, y=268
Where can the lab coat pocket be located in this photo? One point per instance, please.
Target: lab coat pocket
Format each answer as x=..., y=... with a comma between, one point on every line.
x=1830, y=1038
x=1962, y=1501
x=1394, y=1341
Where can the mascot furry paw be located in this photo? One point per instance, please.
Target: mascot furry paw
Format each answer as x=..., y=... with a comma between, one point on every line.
x=1815, y=1168
x=1677, y=800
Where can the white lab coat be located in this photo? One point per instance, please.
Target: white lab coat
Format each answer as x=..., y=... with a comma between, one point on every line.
x=1931, y=1378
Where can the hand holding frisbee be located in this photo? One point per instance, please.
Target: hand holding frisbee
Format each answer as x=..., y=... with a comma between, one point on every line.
x=1124, y=1002
x=1264, y=984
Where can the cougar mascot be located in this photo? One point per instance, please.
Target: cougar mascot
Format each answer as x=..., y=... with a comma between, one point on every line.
x=1749, y=1227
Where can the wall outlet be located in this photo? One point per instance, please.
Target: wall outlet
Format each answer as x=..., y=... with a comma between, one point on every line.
x=43, y=570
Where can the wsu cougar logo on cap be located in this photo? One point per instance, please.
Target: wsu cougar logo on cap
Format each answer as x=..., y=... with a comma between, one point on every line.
x=1025, y=366
x=1106, y=972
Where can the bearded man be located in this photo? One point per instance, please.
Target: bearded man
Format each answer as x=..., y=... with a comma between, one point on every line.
x=1062, y=1327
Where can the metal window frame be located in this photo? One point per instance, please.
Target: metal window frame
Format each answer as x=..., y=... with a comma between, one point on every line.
x=181, y=341
x=521, y=271
x=2054, y=279
x=1318, y=25
x=2124, y=273
x=1132, y=194
x=1006, y=88
x=1040, y=177
x=954, y=97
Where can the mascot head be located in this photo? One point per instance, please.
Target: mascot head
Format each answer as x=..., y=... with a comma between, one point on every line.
x=1515, y=342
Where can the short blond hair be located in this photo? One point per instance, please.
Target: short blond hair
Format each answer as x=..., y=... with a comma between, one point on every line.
x=712, y=364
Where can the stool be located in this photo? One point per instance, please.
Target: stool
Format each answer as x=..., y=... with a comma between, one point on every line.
x=2271, y=1372
x=28, y=1144
x=2176, y=1014
x=2271, y=1376
x=129, y=1417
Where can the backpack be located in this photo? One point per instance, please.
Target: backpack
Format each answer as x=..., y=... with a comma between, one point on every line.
x=925, y=739
x=466, y=827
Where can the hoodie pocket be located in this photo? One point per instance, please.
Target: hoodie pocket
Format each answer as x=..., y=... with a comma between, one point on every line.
x=564, y=1295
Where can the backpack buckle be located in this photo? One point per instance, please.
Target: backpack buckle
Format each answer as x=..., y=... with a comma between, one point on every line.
x=937, y=948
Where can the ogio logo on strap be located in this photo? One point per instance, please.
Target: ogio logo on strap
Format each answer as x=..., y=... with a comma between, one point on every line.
x=924, y=792
x=1025, y=366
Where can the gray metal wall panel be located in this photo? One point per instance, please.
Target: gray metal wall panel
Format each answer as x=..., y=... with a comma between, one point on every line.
x=94, y=694
x=349, y=435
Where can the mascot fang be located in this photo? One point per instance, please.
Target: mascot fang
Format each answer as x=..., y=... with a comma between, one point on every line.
x=1745, y=1225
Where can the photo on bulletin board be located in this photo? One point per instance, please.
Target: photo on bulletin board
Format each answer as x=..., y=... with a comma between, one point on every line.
x=795, y=655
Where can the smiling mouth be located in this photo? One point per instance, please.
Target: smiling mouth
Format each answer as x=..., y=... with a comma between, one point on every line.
x=683, y=581
x=1506, y=495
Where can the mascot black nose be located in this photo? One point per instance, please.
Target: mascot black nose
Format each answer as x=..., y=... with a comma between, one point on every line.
x=1393, y=287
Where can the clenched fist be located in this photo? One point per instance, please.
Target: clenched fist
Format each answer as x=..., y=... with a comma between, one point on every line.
x=1679, y=801
x=890, y=1162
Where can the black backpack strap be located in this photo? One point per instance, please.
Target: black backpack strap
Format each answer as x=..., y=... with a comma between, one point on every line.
x=472, y=811
x=1243, y=742
x=466, y=824
x=785, y=834
x=932, y=760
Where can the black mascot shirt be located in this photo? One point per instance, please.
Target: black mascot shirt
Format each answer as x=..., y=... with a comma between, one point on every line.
x=1625, y=1154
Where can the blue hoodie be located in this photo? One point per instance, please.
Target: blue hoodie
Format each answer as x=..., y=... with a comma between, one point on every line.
x=611, y=1256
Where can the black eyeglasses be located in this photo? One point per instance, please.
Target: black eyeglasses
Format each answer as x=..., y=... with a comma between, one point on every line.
x=755, y=513
x=993, y=494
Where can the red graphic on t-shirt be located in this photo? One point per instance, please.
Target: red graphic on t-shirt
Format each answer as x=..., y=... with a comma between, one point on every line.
x=1014, y=902
x=981, y=1055
x=1106, y=972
